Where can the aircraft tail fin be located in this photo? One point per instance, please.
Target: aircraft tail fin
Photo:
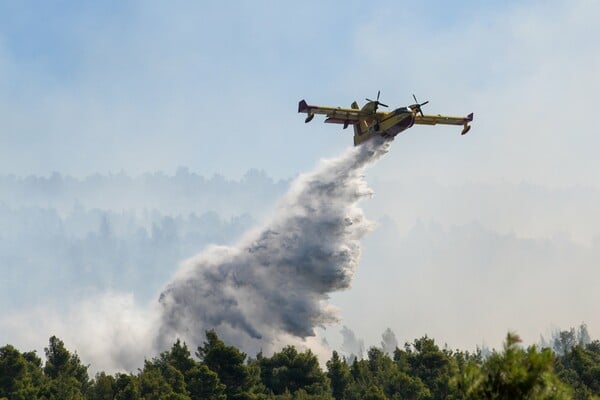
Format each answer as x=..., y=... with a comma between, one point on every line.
x=359, y=129
x=302, y=106
x=357, y=126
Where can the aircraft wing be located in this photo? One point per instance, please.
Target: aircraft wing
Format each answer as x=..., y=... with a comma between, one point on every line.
x=445, y=120
x=335, y=115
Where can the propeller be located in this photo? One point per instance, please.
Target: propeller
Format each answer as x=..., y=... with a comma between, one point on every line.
x=377, y=102
x=417, y=106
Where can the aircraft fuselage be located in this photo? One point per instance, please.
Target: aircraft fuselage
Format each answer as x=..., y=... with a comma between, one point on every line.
x=387, y=125
x=368, y=122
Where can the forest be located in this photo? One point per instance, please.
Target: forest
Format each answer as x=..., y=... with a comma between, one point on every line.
x=87, y=240
x=568, y=367
x=112, y=231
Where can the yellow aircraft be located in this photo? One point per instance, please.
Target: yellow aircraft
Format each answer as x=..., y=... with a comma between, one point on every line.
x=368, y=122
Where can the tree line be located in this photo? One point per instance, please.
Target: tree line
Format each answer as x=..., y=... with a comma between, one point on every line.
x=218, y=371
x=181, y=193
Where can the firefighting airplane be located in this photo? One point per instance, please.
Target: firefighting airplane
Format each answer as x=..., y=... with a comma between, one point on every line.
x=368, y=122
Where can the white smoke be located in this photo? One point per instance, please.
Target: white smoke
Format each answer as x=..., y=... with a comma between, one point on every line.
x=109, y=331
x=389, y=343
x=352, y=346
x=275, y=283
x=269, y=290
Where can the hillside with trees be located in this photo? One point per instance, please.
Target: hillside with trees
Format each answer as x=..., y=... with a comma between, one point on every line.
x=215, y=370
x=64, y=237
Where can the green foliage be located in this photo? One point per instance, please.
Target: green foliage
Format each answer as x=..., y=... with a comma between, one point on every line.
x=373, y=392
x=200, y=381
x=67, y=376
x=205, y=384
x=580, y=368
x=63, y=387
x=17, y=380
x=419, y=371
x=434, y=367
x=339, y=376
x=127, y=387
x=103, y=387
x=60, y=362
x=228, y=363
x=514, y=374
x=157, y=384
x=179, y=357
x=291, y=371
x=379, y=376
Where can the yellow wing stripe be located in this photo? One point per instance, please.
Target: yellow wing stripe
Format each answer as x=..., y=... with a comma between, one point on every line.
x=445, y=120
x=332, y=112
x=442, y=119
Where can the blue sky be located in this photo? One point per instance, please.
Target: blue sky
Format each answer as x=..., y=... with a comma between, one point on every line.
x=143, y=86
x=140, y=86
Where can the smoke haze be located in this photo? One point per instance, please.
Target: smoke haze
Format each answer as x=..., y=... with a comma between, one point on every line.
x=269, y=290
x=465, y=256
x=276, y=281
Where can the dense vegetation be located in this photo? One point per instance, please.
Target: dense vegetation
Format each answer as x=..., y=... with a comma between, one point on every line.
x=420, y=370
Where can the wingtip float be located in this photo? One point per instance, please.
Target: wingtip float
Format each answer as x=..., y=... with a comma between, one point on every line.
x=368, y=122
